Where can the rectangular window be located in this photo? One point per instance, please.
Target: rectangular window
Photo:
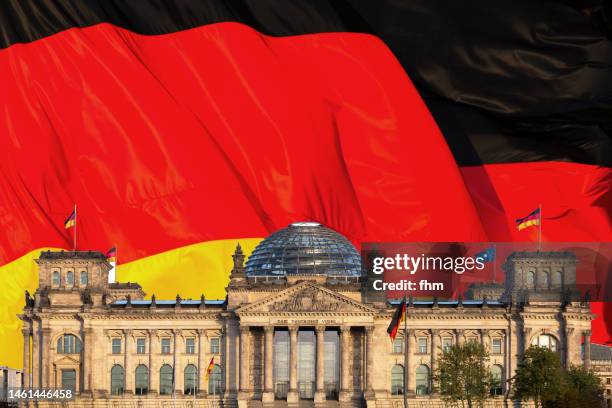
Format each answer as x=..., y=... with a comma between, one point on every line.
x=608, y=380
x=116, y=346
x=496, y=346
x=447, y=343
x=215, y=345
x=422, y=345
x=190, y=345
x=165, y=346
x=398, y=346
x=141, y=346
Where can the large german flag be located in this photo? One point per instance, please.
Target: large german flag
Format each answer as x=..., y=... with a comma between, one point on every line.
x=181, y=127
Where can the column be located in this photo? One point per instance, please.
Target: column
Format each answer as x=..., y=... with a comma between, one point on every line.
x=292, y=395
x=127, y=362
x=26, y=355
x=320, y=367
x=202, y=363
x=369, y=332
x=408, y=369
x=587, y=349
x=568, y=346
x=244, y=358
x=345, y=374
x=434, y=352
x=153, y=362
x=268, y=395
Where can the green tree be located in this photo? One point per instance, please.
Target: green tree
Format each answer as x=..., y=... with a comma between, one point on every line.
x=462, y=375
x=582, y=388
x=539, y=375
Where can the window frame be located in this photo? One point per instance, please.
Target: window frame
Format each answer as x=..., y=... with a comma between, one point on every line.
x=215, y=345
x=141, y=348
x=166, y=349
x=420, y=345
x=114, y=344
x=190, y=348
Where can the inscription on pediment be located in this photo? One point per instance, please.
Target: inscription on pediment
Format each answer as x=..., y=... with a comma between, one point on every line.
x=310, y=300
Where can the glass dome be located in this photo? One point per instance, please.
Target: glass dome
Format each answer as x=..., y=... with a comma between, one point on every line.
x=304, y=248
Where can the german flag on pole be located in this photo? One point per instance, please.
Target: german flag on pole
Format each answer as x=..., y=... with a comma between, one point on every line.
x=111, y=254
x=530, y=220
x=398, y=317
x=210, y=367
x=71, y=220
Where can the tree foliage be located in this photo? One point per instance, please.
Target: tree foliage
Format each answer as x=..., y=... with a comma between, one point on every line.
x=582, y=388
x=539, y=375
x=462, y=375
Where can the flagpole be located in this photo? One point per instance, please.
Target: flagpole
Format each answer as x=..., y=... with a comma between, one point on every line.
x=539, y=227
x=74, y=244
x=494, y=262
x=405, y=306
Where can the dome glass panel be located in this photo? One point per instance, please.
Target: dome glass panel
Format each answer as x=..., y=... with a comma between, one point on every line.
x=304, y=248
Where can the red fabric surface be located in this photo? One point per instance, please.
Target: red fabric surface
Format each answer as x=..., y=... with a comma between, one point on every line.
x=221, y=132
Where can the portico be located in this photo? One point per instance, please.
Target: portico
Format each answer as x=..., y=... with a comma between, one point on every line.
x=307, y=338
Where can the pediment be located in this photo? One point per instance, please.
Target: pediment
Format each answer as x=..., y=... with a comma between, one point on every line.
x=306, y=297
x=66, y=360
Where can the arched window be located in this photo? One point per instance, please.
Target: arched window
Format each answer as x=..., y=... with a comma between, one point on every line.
x=546, y=341
x=83, y=278
x=422, y=380
x=530, y=280
x=56, y=278
x=545, y=280
x=142, y=380
x=68, y=344
x=497, y=387
x=70, y=278
x=191, y=379
x=397, y=380
x=557, y=279
x=214, y=380
x=165, y=380
x=117, y=379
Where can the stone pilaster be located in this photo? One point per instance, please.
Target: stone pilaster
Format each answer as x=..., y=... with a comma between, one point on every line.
x=587, y=349
x=268, y=394
x=176, y=369
x=292, y=395
x=526, y=335
x=26, y=354
x=87, y=354
x=45, y=345
x=435, y=335
x=569, y=331
x=202, y=363
x=459, y=337
x=127, y=355
x=153, y=362
x=411, y=343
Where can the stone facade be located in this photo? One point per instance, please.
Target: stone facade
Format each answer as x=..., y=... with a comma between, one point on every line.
x=85, y=332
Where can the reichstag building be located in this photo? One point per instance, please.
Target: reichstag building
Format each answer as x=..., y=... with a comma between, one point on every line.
x=296, y=328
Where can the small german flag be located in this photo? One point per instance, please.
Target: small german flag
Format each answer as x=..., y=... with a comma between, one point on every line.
x=532, y=219
x=398, y=318
x=111, y=254
x=210, y=367
x=71, y=220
